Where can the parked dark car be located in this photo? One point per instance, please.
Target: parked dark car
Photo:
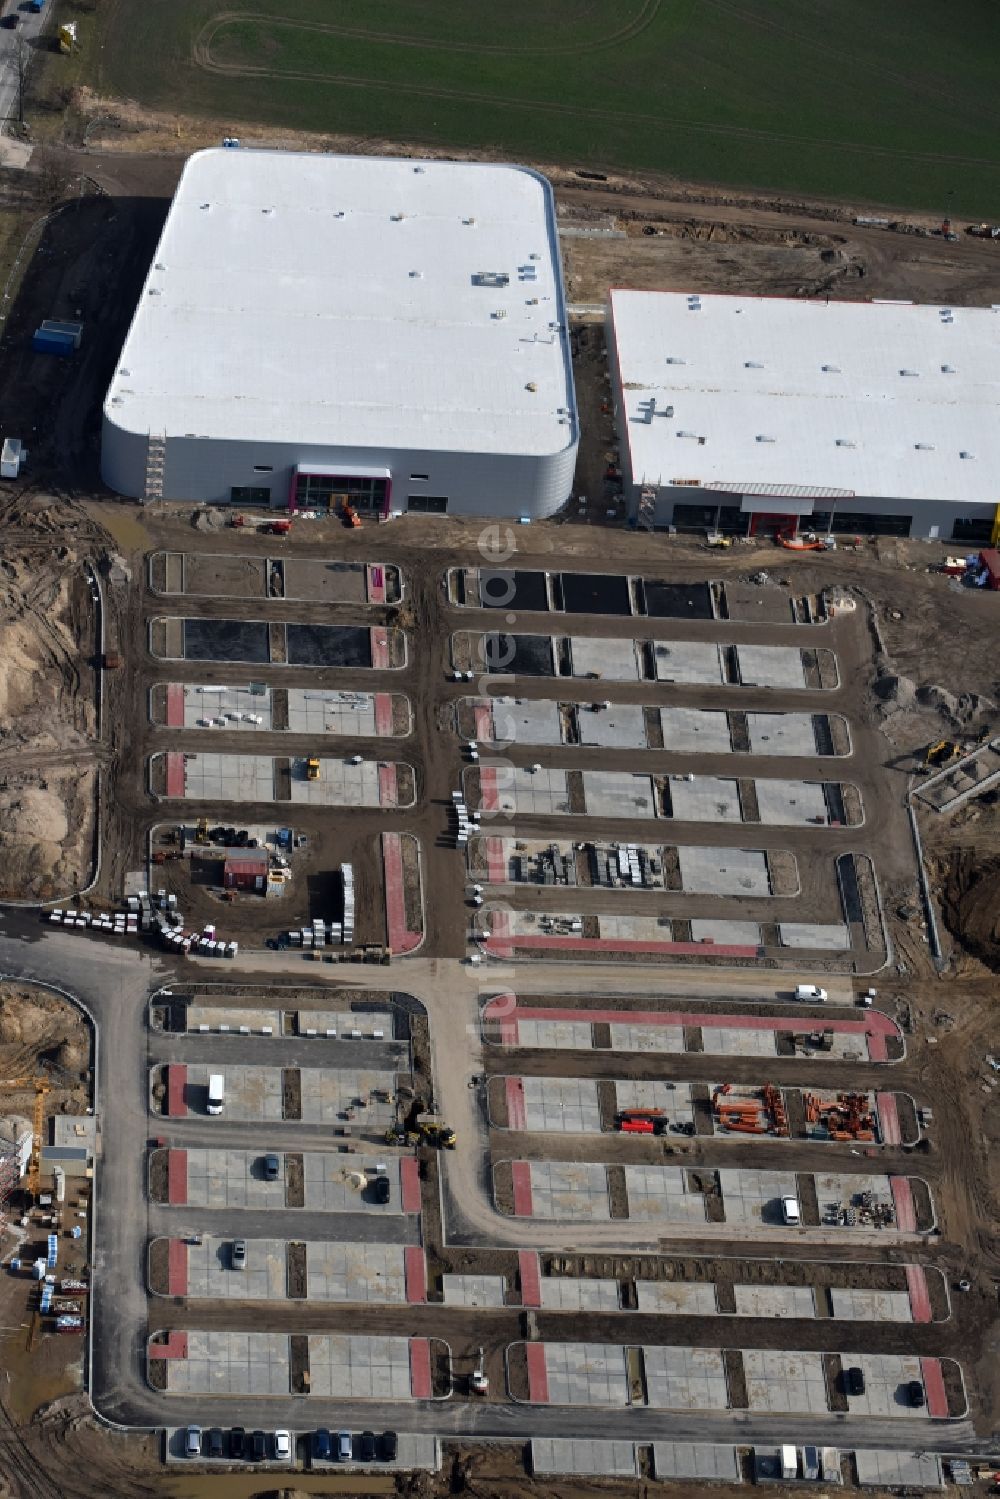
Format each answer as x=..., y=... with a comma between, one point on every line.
x=216, y=1442
x=367, y=1446
x=915, y=1392
x=237, y=1443
x=272, y=1168
x=388, y=1446
x=383, y=1190
x=322, y=1445
x=258, y=1447
x=854, y=1381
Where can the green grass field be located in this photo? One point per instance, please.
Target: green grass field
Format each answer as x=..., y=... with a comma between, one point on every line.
x=886, y=101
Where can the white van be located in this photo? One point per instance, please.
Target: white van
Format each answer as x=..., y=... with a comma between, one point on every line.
x=790, y=1211
x=216, y=1093
x=810, y=993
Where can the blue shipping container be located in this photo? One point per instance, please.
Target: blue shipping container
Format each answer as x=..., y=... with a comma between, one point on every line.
x=53, y=343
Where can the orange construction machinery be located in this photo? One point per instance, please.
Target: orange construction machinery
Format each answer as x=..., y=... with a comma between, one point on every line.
x=351, y=516
x=849, y=1116
x=759, y=1113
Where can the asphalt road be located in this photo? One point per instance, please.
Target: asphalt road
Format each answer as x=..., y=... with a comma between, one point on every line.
x=29, y=30
x=113, y=983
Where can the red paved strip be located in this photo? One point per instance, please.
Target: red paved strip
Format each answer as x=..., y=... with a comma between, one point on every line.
x=380, y=648
x=902, y=1197
x=920, y=1296
x=177, y=1268
x=177, y=1074
x=383, y=714
x=500, y=943
x=515, y=1103
x=529, y=1270
x=175, y=774
x=520, y=1172
x=538, y=1375
x=933, y=1378
x=415, y=1266
x=489, y=797
x=877, y=1049
x=888, y=1118
x=508, y=1031
x=409, y=1184
x=175, y=706
x=613, y=945
x=375, y=582
x=387, y=789
x=177, y=1177
x=484, y=722
x=496, y=864
x=176, y=1346
x=400, y=939
x=420, y=1369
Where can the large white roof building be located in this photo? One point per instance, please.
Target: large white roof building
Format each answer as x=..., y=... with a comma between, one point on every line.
x=879, y=416
x=396, y=325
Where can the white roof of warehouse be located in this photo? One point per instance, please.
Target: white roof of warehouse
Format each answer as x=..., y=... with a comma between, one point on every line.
x=877, y=399
x=333, y=300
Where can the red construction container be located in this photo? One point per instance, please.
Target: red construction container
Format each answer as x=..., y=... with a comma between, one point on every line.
x=636, y=1126
x=249, y=873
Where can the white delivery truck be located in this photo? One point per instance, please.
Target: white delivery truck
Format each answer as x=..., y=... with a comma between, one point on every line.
x=216, y=1093
x=789, y=1461
x=810, y=993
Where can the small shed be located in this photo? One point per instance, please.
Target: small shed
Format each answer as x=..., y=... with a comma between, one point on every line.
x=248, y=872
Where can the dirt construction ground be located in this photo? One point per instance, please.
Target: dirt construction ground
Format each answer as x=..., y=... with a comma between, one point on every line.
x=924, y=670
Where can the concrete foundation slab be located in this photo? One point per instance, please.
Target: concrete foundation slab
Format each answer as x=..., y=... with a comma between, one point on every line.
x=712, y=929
x=782, y=734
x=252, y=1093
x=775, y=1301
x=860, y=1305
x=340, y=784
x=705, y=799
x=688, y=661
x=673, y=1099
x=518, y=720
x=770, y=666
x=791, y=803
x=555, y=1035
x=621, y=727
x=664, y=1038
x=210, y=1273
x=359, y=1368
x=230, y=1179
x=676, y=1298
x=616, y=793
x=661, y=1192
x=723, y=871
x=783, y=1381
x=612, y=660
x=696, y=1460
x=883, y=1469
x=583, y=1456
x=728, y=1041
x=367, y=1272
x=586, y=1374
x=569, y=1189
x=539, y=793
x=229, y=778
x=695, y=731
x=826, y=937
x=755, y=1196
x=231, y=1363
x=328, y=1190
x=474, y=1290
x=587, y=1294
x=561, y=1105
x=886, y=1378
x=328, y=1095
x=237, y=706
x=219, y=1017
x=687, y=1379
x=314, y=712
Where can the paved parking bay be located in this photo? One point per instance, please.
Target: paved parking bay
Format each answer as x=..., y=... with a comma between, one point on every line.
x=520, y=721
x=692, y=661
x=733, y=1041
x=723, y=871
x=357, y=1367
x=621, y=727
x=586, y=1374
x=629, y=1037
x=695, y=731
x=681, y=1298
x=311, y=711
x=348, y=1025
x=705, y=799
x=783, y=1381
x=613, y=660
x=835, y=1192
x=672, y=1099
x=210, y=1272
x=886, y=1378
x=617, y=793
x=231, y=1018
x=560, y=1105
x=775, y=1301
x=539, y=793
x=586, y=1294
x=686, y=1379
x=252, y=1093
x=229, y=778
x=583, y=1457
x=714, y=929
x=661, y=1192
x=672, y=1460
x=340, y=784
x=474, y=1290
x=782, y=734
x=771, y=666
x=898, y=1471
x=859, y=1305
x=791, y=803
x=555, y=1035
x=339, y=1270
x=231, y=1363
x=328, y=1190
x=569, y=1189
x=231, y=1179
x=755, y=1196
x=238, y=707
x=830, y=936
x=328, y=1094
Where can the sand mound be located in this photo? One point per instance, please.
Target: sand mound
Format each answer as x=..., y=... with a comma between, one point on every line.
x=32, y=814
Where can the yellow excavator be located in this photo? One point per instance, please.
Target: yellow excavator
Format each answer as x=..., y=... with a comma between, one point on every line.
x=939, y=754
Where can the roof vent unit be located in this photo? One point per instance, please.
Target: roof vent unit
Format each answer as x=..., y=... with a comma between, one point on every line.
x=694, y=304
x=416, y=275
x=948, y=369
x=673, y=359
x=490, y=278
x=910, y=373
x=535, y=255
x=532, y=386
x=965, y=454
x=845, y=442
x=924, y=447
x=763, y=437
x=396, y=218
x=418, y=170
x=340, y=214
x=830, y=369
x=499, y=314
x=687, y=434
x=469, y=223
x=752, y=364
x=159, y=266
x=267, y=212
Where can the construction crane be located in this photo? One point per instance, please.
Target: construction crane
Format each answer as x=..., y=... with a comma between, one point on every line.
x=41, y=1087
